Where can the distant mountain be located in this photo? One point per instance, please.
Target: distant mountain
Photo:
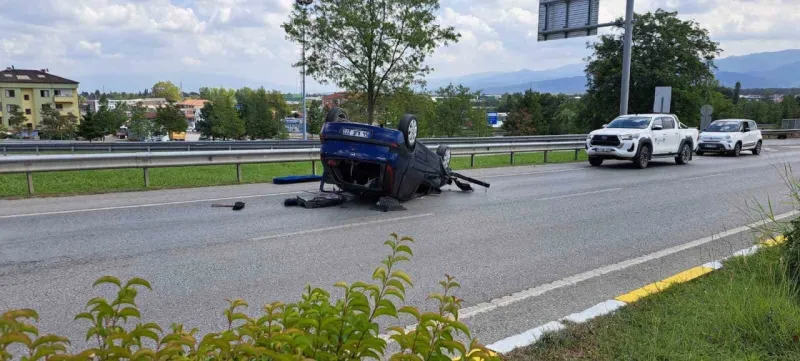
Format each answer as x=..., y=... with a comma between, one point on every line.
x=493, y=80
x=758, y=62
x=778, y=69
x=729, y=79
x=788, y=74
x=569, y=85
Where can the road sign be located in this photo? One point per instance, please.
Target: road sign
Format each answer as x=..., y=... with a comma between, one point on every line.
x=562, y=19
x=663, y=99
x=492, y=117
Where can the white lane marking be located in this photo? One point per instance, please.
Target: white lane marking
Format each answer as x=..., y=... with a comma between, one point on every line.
x=600, y=309
x=701, y=177
x=146, y=205
x=526, y=338
x=343, y=226
x=769, y=149
x=715, y=265
x=494, y=304
x=578, y=194
x=533, y=173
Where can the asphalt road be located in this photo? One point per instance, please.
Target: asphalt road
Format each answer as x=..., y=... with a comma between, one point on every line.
x=535, y=228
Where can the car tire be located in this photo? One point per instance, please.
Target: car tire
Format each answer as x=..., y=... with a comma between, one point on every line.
x=595, y=161
x=737, y=150
x=685, y=155
x=643, y=158
x=409, y=127
x=336, y=115
x=757, y=149
x=445, y=154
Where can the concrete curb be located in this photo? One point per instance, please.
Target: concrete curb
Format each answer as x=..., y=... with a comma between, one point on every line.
x=530, y=337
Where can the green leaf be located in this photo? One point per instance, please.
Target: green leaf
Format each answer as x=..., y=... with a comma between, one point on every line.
x=402, y=275
x=129, y=312
x=49, y=339
x=21, y=313
x=107, y=279
x=139, y=282
x=411, y=311
x=15, y=337
x=84, y=315
x=461, y=327
x=143, y=354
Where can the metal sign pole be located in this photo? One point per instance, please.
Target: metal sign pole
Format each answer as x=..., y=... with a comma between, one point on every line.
x=626, y=59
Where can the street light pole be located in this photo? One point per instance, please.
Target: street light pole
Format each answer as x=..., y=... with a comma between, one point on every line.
x=626, y=59
x=304, y=4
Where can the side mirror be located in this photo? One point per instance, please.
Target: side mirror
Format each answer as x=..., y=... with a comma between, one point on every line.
x=605, y=125
x=658, y=127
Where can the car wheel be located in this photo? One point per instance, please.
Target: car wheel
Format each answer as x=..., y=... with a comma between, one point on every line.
x=336, y=115
x=737, y=150
x=445, y=154
x=686, y=155
x=757, y=149
x=595, y=161
x=641, y=160
x=408, y=126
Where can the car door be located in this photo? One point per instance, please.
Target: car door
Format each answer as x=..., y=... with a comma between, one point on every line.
x=753, y=134
x=658, y=136
x=671, y=135
x=747, y=135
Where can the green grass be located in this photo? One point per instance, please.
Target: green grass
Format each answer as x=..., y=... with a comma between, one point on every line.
x=746, y=311
x=120, y=180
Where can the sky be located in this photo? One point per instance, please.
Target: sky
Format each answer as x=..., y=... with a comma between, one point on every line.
x=242, y=39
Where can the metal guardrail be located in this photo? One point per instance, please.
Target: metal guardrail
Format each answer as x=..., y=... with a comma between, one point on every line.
x=30, y=164
x=127, y=146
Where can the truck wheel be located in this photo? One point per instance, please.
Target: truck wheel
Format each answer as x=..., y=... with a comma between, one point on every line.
x=408, y=126
x=757, y=149
x=336, y=115
x=737, y=150
x=595, y=161
x=643, y=158
x=444, y=152
x=685, y=156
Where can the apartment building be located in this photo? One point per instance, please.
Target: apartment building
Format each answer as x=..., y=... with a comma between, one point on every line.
x=30, y=91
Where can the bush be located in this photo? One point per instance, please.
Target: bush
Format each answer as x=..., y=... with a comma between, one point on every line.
x=314, y=328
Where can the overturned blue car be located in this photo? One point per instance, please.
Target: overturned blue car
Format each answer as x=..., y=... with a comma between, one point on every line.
x=369, y=160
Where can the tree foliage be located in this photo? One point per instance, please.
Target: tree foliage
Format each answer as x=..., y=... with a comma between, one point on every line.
x=315, y=117
x=16, y=119
x=317, y=327
x=667, y=51
x=170, y=118
x=262, y=112
x=57, y=126
x=455, y=111
x=168, y=91
x=140, y=125
x=90, y=127
x=368, y=46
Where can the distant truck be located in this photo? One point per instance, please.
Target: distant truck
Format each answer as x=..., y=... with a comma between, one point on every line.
x=642, y=137
x=177, y=136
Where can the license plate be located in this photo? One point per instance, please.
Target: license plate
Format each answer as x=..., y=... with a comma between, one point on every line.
x=602, y=149
x=709, y=146
x=356, y=133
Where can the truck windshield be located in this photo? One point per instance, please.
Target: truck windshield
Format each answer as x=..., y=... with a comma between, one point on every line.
x=723, y=127
x=630, y=123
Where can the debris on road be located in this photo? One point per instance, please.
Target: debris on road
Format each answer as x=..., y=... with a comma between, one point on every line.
x=386, y=204
x=236, y=206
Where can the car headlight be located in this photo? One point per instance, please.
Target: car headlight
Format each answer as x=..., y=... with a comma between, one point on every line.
x=630, y=136
x=589, y=137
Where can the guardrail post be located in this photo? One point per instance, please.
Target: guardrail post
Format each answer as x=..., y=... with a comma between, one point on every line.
x=576, y=153
x=313, y=167
x=148, y=149
x=545, y=156
x=29, y=175
x=512, y=158
x=37, y=150
x=238, y=172
x=109, y=149
x=188, y=148
x=5, y=150
x=229, y=147
x=72, y=149
x=472, y=160
x=146, y=177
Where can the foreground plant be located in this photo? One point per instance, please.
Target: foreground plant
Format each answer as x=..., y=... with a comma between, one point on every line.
x=314, y=328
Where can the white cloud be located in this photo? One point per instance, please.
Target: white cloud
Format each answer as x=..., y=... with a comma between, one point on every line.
x=243, y=38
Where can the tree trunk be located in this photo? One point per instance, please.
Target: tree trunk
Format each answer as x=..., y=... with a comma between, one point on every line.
x=370, y=108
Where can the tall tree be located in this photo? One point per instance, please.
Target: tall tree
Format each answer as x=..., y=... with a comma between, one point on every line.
x=51, y=122
x=667, y=51
x=368, y=46
x=316, y=116
x=140, y=126
x=406, y=101
x=454, y=110
x=525, y=118
x=790, y=107
x=167, y=90
x=17, y=119
x=90, y=127
x=737, y=91
x=170, y=118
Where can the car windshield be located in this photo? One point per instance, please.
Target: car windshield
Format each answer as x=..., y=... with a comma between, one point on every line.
x=723, y=127
x=630, y=123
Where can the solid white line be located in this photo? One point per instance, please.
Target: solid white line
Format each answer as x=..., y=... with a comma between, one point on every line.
x=146, y=205
x=715, y=265
x=494, y=304
x=526, y=338
x=701, y=177
x=599, y=309
x=343, y=226
x=578, y=194
x=533, y=173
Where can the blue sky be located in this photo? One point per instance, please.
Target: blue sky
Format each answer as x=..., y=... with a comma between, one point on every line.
x=243, y=38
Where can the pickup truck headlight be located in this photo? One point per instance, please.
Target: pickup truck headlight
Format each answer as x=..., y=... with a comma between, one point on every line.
x=630, y=137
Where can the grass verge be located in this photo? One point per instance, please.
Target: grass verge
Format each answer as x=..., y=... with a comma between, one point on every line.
x=121, y=180
x=746, y=311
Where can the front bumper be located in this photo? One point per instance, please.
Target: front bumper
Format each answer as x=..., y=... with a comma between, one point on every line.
x=625, y=151
x=714, y=147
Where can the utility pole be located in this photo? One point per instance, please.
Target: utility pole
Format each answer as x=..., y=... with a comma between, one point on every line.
x=626, y=59
x=304, y=4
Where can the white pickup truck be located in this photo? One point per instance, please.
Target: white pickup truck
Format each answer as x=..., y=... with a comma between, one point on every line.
x=642, y=137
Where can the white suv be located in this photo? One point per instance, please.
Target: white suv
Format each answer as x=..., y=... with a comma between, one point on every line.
x=730, y=136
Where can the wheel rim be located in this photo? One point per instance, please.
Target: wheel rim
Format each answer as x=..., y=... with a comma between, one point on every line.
x=412, y=132
x=758, y=147
x=737, y=149
x=685, y=153
x=645, y=155
x=446, y=159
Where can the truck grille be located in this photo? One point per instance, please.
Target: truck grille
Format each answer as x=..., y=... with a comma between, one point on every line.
x=609, y=140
